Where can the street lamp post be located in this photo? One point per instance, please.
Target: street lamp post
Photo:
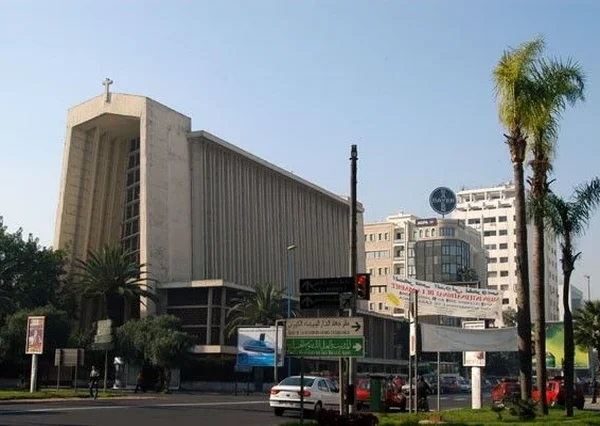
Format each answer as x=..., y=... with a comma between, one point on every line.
x=290, y=285
x=588, y=283
x=277, y=352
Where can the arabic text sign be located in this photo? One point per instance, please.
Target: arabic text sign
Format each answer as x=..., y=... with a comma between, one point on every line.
x=256, y=346
x=34, y=342
x=324, y=327
x=449, y=300
x=325, y=346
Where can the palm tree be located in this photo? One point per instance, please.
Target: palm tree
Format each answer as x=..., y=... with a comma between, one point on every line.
x=586, y=328
x=558, y=84
x=517, y=98
x=111, y=271
x=569, y=219
x=263, y=307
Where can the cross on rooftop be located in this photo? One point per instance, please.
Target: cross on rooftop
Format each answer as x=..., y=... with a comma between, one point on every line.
x=106, y=83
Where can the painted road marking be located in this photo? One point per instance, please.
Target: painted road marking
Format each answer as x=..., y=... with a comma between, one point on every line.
x=117, y=407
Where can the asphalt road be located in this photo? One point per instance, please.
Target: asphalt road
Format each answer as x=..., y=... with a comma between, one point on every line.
x=171, y=410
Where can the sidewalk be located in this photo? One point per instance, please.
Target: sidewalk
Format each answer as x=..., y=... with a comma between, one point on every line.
x=592, y=407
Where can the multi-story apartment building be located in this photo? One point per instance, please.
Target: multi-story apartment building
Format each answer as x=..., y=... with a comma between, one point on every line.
x=491, y=211
x=437, y=250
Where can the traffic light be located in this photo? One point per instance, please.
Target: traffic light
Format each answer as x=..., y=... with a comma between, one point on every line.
x=363, y=286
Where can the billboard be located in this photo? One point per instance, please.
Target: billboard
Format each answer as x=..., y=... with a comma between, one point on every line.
x=443, y=299
x=256, y=347
x=555, y=349
x=34, y=342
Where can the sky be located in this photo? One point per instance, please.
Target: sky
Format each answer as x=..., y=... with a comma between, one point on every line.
x=298, y=82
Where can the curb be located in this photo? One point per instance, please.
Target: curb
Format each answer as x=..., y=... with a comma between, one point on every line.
x=46, y=400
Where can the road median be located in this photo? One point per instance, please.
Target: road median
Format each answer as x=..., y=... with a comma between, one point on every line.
x=48, y=395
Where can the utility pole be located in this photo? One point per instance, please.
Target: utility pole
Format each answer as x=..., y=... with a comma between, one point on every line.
x=353, y=268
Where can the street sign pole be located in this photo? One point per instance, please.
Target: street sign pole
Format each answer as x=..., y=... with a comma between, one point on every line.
x=353, y=267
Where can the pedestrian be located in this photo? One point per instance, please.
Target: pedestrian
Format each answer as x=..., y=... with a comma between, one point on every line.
x=94, y=379
x=139, y=384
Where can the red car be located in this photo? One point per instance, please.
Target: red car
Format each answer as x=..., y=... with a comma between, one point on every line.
x=393, y=396
x=555, y=393
x=507, y=389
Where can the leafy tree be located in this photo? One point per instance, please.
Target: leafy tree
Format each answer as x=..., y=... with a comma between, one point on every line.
x=157, y=341
x=570, y=219
x=112, y=272
x=509, y=317
x=13, y=334
x=558, y=85
x=517, y=98
x=30, y=275
x=263, y=307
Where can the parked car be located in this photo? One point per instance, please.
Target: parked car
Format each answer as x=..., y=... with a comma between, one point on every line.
x=507, y=389
x=432, y=386
x=449, y=385
x=465, y=385
x=318, y=392
x=555, y=393
x=393, y=396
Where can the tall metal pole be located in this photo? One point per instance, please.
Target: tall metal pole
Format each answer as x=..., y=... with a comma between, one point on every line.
x=588, y=283
x=290, y=285
x=353, y=262
x=275, y=358
x=416, y=310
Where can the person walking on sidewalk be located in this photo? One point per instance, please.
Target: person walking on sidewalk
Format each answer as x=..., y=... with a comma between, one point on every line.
x=140, y=383
x=94, y=380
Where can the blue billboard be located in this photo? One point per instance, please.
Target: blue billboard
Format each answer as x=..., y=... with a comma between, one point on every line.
x=256, y=347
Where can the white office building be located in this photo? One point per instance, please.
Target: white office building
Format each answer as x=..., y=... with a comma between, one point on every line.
x=492, y=212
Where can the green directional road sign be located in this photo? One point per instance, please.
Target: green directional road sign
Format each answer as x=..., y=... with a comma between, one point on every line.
x=325, y=346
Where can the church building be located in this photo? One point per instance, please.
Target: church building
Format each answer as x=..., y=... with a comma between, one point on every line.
x=209, y=219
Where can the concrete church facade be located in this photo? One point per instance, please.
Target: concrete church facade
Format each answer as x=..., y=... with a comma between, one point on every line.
x=209, y=219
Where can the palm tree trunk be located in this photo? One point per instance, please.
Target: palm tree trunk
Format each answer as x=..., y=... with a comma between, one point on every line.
x=539, y=191
x=540, y=308
x=105, y=300
x=517, y=145
x=569, y=344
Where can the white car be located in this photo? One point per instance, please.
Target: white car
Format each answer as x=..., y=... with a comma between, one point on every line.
x=319, y=393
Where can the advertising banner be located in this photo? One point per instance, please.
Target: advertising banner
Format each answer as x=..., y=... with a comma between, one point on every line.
x=555, y=349
x=34, y=342
x=256, y=347
x=449, y=300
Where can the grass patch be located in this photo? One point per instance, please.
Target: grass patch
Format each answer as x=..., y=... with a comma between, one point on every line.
x=486, y=417
x=7, y=395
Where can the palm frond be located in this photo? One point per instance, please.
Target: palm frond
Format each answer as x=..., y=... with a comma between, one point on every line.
x=513, y=84
x=556, y=85
x=110, y=270
x=586, y=325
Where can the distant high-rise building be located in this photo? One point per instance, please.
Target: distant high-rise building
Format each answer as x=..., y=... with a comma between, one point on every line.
x=491, y=211
x=575, y=300
x=436, y=250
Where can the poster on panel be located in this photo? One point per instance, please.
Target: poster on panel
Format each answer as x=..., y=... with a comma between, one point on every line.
x=256, y=347
x=34, y=341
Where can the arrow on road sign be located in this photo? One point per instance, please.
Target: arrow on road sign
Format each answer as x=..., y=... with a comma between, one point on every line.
x=356, y=326
x=357, y=347
x=320, y=301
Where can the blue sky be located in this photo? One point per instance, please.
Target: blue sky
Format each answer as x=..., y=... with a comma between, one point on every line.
x=296, y=82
